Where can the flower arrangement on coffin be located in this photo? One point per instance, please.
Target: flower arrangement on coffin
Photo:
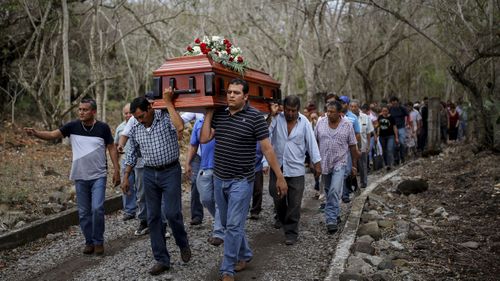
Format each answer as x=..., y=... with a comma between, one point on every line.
x=221, y=50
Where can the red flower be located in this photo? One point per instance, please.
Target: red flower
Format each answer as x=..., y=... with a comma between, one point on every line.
x=189, y=48
x=203, y=48
x=231, y=59
x=228, y=50
x=240, y=59
x=228, y=45
x=197, y=41
x=226, y=42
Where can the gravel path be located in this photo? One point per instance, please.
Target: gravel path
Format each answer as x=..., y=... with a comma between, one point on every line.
x=58, y=257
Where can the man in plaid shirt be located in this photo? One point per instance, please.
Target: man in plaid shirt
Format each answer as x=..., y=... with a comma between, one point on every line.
x=155, y=135
x=336, y=139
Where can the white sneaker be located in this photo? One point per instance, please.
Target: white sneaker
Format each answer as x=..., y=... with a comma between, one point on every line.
x=321, y=196
x=167, y=234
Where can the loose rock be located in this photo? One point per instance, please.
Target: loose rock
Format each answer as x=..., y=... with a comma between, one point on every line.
x=408, y=187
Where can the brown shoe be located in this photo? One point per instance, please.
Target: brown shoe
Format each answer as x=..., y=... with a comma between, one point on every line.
x=158, y=269
x=216, y=241
x=241, y=265
x=99, y=249
x=186, y=254
x=226, y=277
x=88, y=249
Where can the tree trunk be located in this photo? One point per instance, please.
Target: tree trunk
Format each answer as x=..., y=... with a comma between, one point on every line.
x=434, y=132
x=66, y=65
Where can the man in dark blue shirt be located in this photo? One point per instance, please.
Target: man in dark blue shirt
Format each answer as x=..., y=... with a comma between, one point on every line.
x=400, y=114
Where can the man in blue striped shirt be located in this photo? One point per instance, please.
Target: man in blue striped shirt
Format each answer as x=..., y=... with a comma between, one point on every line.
x=291, y=136
x=236, y=130
x=155, y=135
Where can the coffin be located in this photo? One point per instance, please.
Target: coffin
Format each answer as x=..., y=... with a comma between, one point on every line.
x=199, y=82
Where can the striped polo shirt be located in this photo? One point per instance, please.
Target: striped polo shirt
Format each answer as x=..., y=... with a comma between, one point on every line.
x=236, y=137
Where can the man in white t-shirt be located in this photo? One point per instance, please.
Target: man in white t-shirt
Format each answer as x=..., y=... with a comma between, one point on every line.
x=366, y=130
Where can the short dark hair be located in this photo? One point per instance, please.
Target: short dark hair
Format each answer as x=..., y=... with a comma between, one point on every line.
x=335, y=104
x=292, y=101
x=365, y=106
x=140, y=102
x=331, y=95
x=393, y=98
x=90, y=101
x=239, y=81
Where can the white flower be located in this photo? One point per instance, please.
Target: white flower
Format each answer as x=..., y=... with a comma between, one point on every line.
x=196, y=50
x=217, y=38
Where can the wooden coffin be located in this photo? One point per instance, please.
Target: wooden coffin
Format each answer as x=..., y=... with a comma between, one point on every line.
x=199, y=82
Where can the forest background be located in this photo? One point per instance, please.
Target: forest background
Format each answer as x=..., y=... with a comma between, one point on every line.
x=55, y=52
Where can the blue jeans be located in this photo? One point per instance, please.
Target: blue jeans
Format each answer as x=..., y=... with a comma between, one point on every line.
x=90, y=196
x=164, y=185
x=129, y=199
x=233, y=198
x=346, y=190
x=334, y=183
x=205, y=184
x=387, y=149
x=196, y=206
x=142, y=213
x=400, y=150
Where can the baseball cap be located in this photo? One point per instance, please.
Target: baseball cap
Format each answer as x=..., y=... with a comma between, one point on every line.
x=344, y=99
x=149, y=95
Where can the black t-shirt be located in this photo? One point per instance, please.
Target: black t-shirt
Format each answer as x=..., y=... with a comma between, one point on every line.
x=386, y=125
x=399, y=114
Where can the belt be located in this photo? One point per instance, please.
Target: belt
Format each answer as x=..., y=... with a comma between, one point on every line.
x=164, y=167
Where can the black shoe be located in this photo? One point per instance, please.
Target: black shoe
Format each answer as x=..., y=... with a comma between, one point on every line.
x=158, y=269
x=331, y=228
x=142, y=229
x=254, y=216
x=186, y=254
x=216, y=241
x=277, y=224
x=346, y=200
x=339, y=220
x=127, y=216
x=196, y=221
x=290, y=241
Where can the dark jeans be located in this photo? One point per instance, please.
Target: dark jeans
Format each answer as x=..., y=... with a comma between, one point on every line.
x=258, y=186
x=288, y=207
x=422, y=139
x=164, y=185
x=196, y=206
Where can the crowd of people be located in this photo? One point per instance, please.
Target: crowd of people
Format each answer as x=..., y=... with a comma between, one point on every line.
x=230, y=150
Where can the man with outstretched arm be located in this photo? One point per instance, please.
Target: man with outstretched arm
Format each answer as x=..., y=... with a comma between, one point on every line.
x=89, y=140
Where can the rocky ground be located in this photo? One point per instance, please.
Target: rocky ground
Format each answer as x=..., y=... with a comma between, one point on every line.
x=448, y=232
x=127, y=257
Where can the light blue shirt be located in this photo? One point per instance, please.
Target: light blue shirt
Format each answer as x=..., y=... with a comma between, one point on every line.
x=207, y=149
x=354, y=120
x=291, y=149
